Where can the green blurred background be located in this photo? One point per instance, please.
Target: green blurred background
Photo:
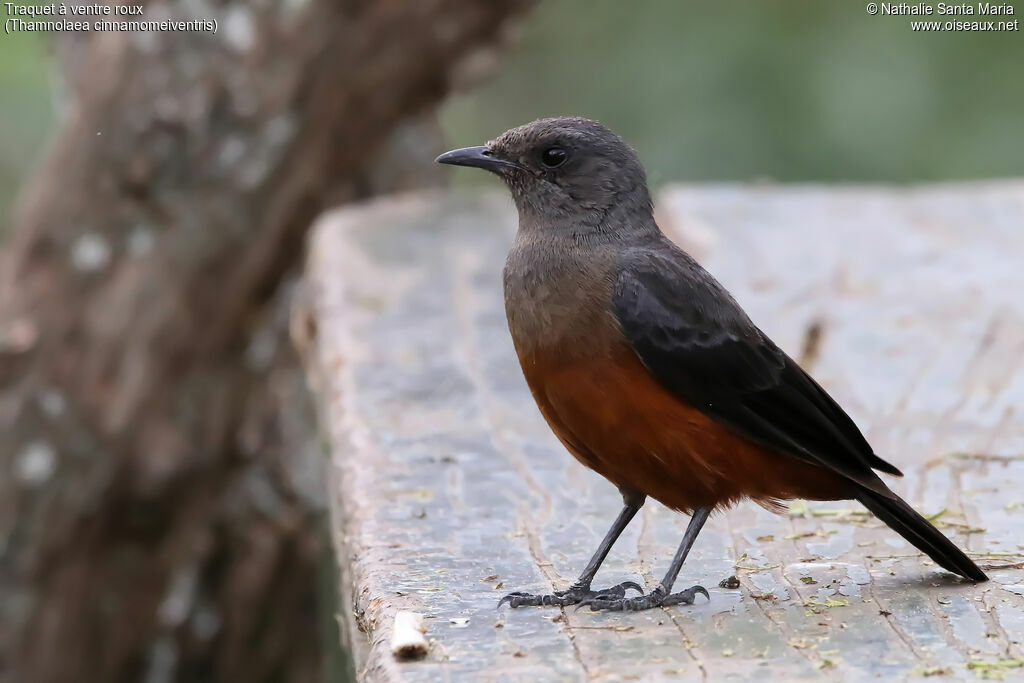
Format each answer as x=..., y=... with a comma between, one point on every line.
x=26, y=110
x=794, y=91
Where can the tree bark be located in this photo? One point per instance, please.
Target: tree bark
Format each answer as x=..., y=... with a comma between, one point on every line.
x=159, y=516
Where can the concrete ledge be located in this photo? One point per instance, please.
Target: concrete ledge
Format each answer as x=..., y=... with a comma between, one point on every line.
x=448, y=490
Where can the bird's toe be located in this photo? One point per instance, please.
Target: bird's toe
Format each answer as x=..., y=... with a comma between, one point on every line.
x=686, y=597
x=656, y=598
x=573, y=595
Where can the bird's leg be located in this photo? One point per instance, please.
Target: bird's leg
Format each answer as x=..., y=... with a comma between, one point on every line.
x=580, y=590
x=661, y=595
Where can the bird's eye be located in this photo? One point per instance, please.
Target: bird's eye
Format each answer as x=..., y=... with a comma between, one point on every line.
x=553, y=157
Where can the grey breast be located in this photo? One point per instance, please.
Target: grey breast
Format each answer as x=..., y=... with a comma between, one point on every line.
x=558, y=294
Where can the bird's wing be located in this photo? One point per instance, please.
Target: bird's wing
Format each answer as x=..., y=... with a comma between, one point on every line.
x=693, y=337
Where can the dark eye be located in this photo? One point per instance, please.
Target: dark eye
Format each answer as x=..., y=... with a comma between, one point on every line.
x=553, y=157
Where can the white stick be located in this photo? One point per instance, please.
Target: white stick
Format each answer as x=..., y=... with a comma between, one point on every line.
x=407, y=639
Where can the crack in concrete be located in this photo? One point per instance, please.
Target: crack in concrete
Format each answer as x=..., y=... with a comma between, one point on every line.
x=649, y=580
x=547, y=569
x=886, y=615
x=464, y=302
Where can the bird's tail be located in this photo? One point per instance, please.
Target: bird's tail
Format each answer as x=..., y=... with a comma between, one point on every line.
x=919, y=531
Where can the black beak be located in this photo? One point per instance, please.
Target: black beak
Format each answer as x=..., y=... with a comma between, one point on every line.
x=476, y=157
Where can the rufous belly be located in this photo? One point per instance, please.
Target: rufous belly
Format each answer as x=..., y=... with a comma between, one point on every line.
x=618, y=420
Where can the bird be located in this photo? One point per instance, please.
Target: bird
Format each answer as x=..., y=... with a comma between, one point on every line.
x=650, y=373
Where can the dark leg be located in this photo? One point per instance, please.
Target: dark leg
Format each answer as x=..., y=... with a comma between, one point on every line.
x=580, y=590
x=661, y=595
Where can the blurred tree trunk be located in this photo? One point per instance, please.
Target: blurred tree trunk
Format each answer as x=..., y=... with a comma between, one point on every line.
x=160, y=514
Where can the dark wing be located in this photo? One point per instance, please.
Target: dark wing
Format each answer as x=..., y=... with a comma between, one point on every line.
x=699, y=344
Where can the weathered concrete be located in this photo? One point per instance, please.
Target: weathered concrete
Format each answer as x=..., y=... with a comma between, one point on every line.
x=448, y=490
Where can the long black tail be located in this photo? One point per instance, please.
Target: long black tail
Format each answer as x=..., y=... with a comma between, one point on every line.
x=904, y=520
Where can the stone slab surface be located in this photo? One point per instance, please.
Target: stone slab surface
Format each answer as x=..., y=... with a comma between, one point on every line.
x=448, y=489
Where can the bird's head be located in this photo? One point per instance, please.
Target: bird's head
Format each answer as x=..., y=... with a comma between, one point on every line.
x=563, y=170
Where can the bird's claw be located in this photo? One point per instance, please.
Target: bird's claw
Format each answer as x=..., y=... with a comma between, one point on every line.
x=659, y=597
x=573, y=595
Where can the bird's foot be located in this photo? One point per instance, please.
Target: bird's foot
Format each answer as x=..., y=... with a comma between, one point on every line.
x=659, y=597
x=573, y=595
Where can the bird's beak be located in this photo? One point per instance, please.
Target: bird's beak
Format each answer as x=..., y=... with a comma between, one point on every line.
x=477, y=157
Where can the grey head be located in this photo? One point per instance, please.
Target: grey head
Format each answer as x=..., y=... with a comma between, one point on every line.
x=567, y=173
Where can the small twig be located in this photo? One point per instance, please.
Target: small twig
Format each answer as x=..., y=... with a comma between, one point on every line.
x=407, y=636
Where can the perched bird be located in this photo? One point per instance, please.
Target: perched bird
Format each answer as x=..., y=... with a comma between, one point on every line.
x=647, y=369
